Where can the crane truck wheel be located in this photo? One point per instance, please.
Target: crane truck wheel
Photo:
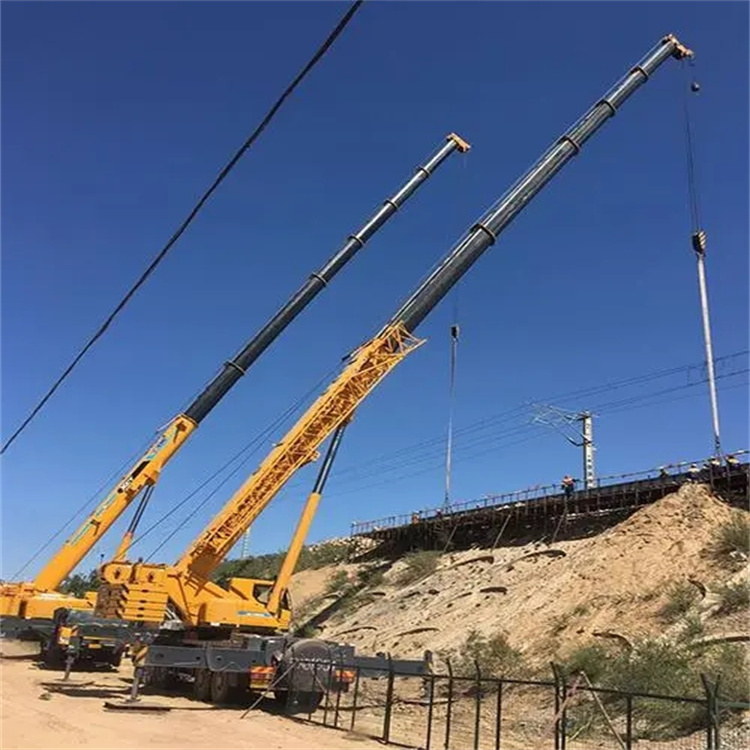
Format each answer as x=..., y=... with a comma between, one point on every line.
x=305, y=670
x=202, y=685
x=222, y=689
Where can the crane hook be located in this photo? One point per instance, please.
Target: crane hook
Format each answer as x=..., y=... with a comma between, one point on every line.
x=695, y=87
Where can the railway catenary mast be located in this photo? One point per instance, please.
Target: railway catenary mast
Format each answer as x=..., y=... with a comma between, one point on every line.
x=32, y=600
x=151, y=592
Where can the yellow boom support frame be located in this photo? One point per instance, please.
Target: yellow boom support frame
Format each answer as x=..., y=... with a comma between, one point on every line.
x=141, y=592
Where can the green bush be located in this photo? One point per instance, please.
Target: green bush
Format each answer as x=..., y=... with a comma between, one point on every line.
x=371, y=577
x=733, y=597
x=681, y=597
x=693, y=628
x=733, y=536
x=337, y=582
x=494, y=656
x=662, y=668
x=418, y=565
x=592, y=659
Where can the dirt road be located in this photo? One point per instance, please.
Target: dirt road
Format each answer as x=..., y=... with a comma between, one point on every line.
x=36, y=712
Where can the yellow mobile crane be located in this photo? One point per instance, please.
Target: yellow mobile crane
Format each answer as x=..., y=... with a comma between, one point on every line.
x=29, y=606
x=235, y=636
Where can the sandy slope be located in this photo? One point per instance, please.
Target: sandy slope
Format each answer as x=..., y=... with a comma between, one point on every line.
x=549, y=599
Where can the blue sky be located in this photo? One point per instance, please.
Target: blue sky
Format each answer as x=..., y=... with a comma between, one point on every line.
x=117, y=115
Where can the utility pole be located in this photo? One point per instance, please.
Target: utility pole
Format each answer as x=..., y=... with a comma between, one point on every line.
x=587, y=432
x=584, y=437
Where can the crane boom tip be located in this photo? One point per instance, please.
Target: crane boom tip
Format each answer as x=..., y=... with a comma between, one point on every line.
x=463, y=146
x=680, y=50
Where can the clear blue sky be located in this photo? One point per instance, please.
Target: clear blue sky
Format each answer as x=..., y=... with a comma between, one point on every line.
x=117, y=115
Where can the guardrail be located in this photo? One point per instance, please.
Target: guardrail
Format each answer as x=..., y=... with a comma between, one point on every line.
x=712, y=464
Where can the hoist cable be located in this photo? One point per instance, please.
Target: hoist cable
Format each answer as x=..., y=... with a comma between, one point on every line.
x=193, y=213
x=690, y=153
x=454, y=334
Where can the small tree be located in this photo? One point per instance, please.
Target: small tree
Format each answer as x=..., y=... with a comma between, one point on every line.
x=79, y=584
x=493, y=654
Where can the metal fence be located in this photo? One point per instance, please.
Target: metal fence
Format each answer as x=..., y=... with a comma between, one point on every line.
x=476, y=712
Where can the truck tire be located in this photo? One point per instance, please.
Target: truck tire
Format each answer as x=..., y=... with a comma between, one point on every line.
x=222, y=689
x=202, y=685
x=306, y=667
x=52, y=655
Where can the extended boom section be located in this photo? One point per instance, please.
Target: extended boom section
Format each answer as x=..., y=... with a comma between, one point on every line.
x=184, y=591
x=39, y=599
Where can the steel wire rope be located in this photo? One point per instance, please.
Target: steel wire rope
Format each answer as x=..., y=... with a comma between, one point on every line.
x=82, y=508
x=634, y=399
x=252, y=446
x=487, y=441
x=538, y=436
x=488, y=422
x=394, y=461
x=320, y=52
x=435, y=442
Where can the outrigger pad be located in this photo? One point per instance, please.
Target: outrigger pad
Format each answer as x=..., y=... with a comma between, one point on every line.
x=136, y=706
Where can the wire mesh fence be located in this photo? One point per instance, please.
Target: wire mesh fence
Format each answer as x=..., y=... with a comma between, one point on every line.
x=480, y=712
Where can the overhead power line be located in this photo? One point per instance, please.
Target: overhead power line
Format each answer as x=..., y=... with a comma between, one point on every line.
x=321, y=51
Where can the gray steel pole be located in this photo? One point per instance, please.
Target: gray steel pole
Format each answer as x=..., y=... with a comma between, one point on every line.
x=699, y=245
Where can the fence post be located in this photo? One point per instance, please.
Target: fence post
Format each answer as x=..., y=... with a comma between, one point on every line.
x=477, y=704
x=310, y=709
x=289, y=686
x=449, y=707
x=498, y=714
x=629, y=721
x=388, y=702
x=430, y=708
x=354, y=700
x=558, y=702
x=327, y=693
x=338, y=695
x=713, y=729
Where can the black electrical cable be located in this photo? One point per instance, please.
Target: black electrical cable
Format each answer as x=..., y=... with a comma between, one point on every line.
x=193, y=213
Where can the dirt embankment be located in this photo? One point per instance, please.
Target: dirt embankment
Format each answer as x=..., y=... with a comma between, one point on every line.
x=547, y=600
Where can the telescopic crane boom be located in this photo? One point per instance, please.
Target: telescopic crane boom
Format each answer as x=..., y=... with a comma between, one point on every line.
x=17, y=599
x=146, y=592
